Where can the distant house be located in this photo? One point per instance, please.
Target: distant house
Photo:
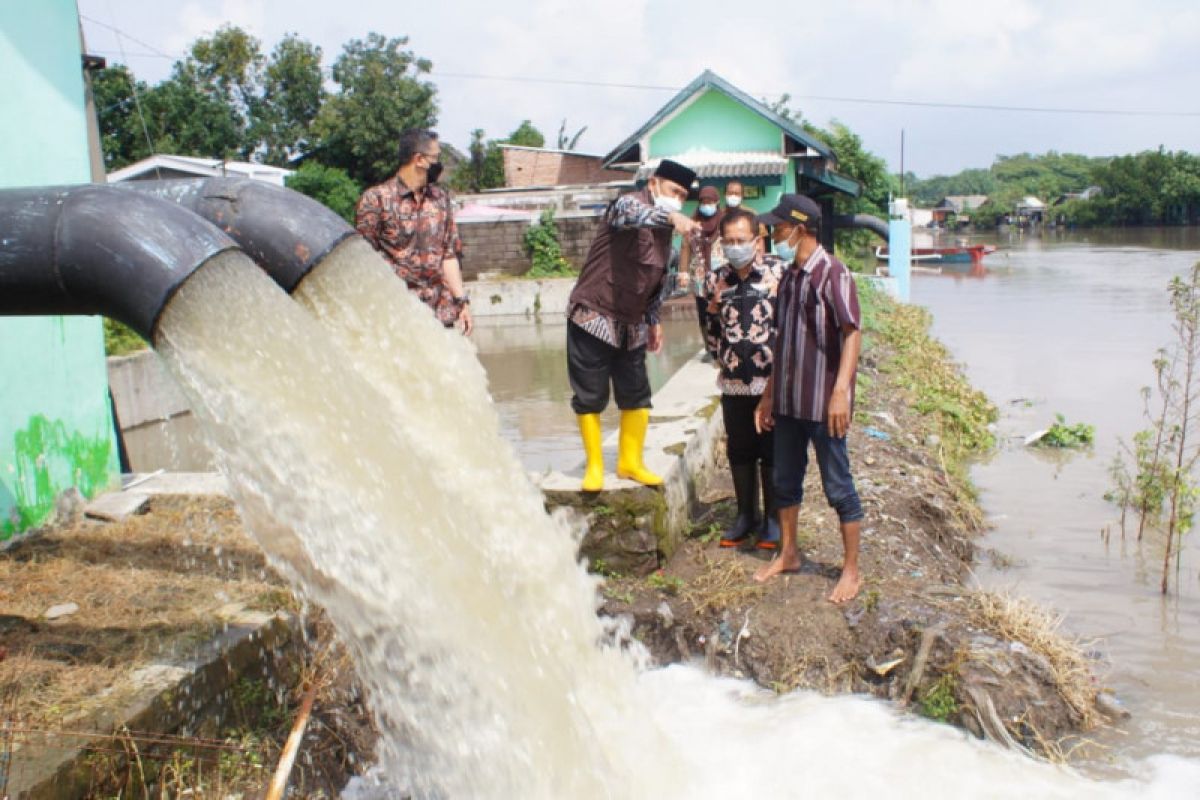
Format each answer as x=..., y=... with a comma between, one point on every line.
x=162, y=167
x=528, y=167
x=958, y=206
x=1086, y=194
x=725, y=134
x=1030, y=210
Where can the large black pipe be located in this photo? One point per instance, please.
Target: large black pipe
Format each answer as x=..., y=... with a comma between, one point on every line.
x=95, y=249
x=286, y=232
x=867, y=221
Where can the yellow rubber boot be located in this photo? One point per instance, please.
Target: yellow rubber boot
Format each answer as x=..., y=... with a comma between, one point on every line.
x=589, y=430
x=629, y=450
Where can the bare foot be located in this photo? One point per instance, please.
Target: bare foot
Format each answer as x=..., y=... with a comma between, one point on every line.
x=780, y=565
x=847, y=587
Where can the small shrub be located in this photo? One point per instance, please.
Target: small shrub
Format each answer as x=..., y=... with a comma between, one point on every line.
x=665, y=583
x=1063, y=435
x=938, y=702
x=545, y=253
x=120, y=339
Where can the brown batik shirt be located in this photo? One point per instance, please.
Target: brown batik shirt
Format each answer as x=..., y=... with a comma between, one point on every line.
x=415, y=234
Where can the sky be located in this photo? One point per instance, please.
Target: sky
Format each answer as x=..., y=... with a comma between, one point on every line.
x=1141, y=59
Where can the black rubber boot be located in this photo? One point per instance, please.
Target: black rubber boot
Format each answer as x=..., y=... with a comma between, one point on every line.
x=745, y=488
x=768, y=533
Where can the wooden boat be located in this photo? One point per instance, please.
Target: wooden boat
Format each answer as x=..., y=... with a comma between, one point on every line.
x=961, y=254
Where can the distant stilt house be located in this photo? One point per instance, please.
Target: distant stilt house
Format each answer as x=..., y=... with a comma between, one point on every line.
x=955, y=209
x=1030, y=211
x=725, y=134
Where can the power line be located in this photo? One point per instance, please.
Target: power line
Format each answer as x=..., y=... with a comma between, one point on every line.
x=838, y=99
x=876, y=101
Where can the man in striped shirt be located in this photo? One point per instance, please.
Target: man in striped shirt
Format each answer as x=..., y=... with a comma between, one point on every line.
x=810, y=395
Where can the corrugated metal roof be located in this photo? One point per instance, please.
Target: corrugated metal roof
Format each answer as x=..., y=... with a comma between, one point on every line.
x=714, y=164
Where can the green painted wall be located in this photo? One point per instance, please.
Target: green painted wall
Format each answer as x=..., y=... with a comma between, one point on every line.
x=715, y=121
x=55, y=424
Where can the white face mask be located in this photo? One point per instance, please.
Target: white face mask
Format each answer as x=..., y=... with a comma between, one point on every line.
x=671, y=204
x=733, y=201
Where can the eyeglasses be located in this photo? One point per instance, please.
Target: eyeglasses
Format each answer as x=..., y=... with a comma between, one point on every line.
x=434, y=157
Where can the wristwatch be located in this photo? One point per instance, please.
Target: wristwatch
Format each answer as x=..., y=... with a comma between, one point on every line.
x=464, y=300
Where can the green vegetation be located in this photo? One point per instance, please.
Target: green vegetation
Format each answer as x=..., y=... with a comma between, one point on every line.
x=662, y=582
x=1160, y=485
x=484, y=166
x=1154, y=187
x=545, y=253
x=328, y=185
x=1062, y=434
x=120, y=339
x=958, y=414
x=938, y=701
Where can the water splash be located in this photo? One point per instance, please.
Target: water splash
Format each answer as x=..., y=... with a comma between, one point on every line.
x=365, y=456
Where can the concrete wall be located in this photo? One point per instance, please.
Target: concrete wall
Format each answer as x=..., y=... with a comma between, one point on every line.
x=529, y=166
x=493, y=248
x=55, y=426
x=531, y=298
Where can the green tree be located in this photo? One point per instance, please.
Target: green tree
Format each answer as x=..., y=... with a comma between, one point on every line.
x=381, y=94
x=484, y=167
x=122, y=140
x=292, y=93
x=328, y=185
x=526, y=135
x=569, y=141
x=186, y=118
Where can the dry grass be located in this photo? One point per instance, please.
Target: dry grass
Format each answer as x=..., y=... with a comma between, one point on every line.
x=721, y=584
x=1019, y=620
x=148, y=589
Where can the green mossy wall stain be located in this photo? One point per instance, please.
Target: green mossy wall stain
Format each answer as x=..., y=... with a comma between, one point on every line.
x=49, y=460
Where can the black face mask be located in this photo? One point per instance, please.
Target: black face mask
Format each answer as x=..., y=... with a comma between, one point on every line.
x=435, y=172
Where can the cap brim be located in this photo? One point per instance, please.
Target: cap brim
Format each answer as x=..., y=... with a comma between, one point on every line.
x=769, y=218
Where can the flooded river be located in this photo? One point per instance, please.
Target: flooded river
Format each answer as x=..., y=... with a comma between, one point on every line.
x=1069, y=322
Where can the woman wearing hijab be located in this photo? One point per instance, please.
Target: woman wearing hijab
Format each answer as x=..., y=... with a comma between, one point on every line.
x=698, y=256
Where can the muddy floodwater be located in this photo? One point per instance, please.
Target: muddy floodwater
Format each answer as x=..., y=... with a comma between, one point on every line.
x=526, y=363
x=1068, y=322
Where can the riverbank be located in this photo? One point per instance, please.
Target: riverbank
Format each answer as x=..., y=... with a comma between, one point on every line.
x=916, y=634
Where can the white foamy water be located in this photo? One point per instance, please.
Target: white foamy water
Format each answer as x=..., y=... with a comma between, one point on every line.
x=363, y=450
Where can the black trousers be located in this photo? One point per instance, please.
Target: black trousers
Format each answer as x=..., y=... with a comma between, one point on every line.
x=743, y=444
x=593, y=364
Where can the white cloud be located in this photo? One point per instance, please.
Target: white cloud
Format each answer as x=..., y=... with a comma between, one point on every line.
x=196, y=20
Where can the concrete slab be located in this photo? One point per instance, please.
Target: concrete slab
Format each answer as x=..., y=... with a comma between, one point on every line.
x=519, y=296
x=208, y=484
x=630, y=527
x=187, y=697
x=116, y=506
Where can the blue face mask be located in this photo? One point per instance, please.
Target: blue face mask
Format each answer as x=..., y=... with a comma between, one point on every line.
x=708, y=209
x=786, y=250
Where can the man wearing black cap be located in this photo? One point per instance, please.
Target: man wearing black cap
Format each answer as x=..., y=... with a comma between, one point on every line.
x=613, y=317
x=809, y=397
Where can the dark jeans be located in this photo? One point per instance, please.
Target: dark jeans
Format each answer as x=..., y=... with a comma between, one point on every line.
x=593, y=364
x=792, y=437
x=743, y=444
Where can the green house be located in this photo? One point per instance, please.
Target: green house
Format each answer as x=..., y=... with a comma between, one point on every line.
x=725, y=134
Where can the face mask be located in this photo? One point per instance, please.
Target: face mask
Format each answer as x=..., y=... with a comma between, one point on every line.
x=786, y=250
x=733, y=201
x=435, y=172
x=739, y=254
x=708, y=209
x=671, y=204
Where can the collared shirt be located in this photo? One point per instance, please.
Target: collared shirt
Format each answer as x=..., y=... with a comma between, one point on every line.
x=415, y=235
x=740, y=322
x=815, y=301
x=628, y=211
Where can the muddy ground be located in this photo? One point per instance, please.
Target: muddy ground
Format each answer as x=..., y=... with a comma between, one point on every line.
x=154, y=590
x=916, y=634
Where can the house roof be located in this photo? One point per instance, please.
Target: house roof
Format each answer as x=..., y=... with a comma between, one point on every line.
x=200, y=167
x=714, y=164
x=710, y=80
x=547, y=150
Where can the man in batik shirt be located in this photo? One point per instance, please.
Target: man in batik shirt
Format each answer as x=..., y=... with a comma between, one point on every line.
x=739, y=325
x=613, y=317
x=409, y=220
